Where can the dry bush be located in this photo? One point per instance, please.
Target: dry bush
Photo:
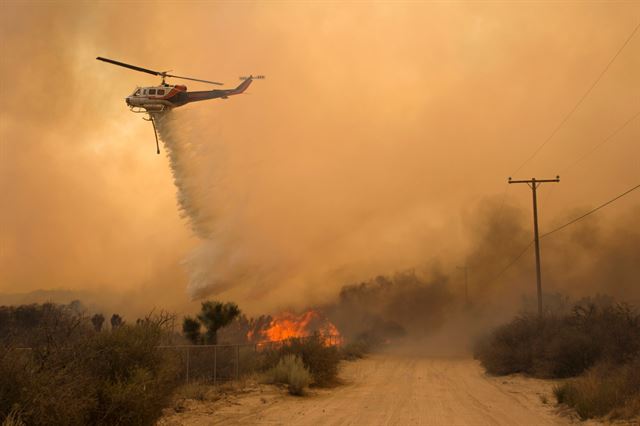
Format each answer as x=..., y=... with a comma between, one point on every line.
x=356, y=349
x=605, y=389
x=135, y=379
x=13, y=419
x=290, y=370
x=387, y=307
x=74, y=375
x=321, y=360
x=562, y=345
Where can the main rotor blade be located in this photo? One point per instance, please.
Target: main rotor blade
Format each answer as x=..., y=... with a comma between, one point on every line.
x=194, y=79
x=132, y=67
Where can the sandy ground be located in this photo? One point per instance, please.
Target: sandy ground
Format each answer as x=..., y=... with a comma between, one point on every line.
x=388, y=390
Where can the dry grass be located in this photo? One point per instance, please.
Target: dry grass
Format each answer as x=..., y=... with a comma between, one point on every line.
x=13, y=419
x=604, y=390
x=198, y=391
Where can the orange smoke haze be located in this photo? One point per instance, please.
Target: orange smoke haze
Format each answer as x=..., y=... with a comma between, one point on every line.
x=379, y=130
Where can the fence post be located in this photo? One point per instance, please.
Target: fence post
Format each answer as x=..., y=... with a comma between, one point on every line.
x=187, y=375
x=237, y=362
x=215, y=364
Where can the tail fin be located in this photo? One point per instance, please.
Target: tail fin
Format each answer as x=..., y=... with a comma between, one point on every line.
x=243, y=86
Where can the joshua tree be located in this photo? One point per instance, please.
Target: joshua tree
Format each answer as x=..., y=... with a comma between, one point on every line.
x=97, y=320
x=214, y=316
x=116, y=321
x=191, y=329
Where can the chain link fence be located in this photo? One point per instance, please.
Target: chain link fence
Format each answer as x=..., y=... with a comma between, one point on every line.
x=222, y=363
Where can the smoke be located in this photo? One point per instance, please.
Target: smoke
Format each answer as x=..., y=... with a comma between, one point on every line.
x=597, y=257
x=393, y=306
x=269, y=227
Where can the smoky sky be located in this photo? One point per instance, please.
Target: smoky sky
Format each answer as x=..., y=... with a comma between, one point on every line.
x=377, y=137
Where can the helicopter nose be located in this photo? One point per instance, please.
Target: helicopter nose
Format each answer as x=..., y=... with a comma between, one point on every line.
x=128, y=100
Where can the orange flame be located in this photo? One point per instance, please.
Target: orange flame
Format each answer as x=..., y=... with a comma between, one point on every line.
x=288, y=325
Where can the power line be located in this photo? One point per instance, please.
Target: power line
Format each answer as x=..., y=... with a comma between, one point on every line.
x=607, y=139
x=571, y=222
x=510, y=264
x=590, y=212
x=566, y=118
x=592, y=150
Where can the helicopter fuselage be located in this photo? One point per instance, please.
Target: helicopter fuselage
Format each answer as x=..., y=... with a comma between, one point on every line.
x=157, y=98
x=166, y=96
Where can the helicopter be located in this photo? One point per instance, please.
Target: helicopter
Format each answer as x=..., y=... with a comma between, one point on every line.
x=154, y=100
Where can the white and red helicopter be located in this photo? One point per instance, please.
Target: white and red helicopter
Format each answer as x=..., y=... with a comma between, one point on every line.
x=158, y=99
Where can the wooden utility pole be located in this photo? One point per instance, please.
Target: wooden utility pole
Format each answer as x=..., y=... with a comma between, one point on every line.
x=465, y=268
x=534, y=184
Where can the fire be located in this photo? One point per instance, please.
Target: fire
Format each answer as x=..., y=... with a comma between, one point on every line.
x=288, y=325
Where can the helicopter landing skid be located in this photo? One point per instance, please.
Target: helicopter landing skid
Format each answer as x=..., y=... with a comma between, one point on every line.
x=148, y=109
x=155, y=131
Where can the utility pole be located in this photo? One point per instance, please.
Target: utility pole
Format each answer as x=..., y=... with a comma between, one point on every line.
x=534, y=184
x=465, y=268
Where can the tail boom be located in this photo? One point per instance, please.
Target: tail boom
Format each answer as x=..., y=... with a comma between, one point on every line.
x=213, y=94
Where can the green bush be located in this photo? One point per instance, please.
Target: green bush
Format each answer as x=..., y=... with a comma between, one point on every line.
x=290, y=370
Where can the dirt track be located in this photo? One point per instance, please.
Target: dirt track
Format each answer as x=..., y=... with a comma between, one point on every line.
x=391, y=390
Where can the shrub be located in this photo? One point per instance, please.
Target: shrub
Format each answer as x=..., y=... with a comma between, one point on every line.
x=564, y=345
x=290, y=370
x=321, y=360
x=604, y=389
x=135, y=379
x=74, y=375
x=356, y=349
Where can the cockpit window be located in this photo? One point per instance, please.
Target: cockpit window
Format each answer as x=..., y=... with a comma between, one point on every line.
x=160, y=91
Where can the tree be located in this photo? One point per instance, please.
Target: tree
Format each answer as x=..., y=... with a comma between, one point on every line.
x=215, y=315
x=76, y=306
x=116, y=321
x=191, y=329
x=97, y=320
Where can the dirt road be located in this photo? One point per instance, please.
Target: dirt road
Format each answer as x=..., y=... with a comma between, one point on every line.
x=391, y=390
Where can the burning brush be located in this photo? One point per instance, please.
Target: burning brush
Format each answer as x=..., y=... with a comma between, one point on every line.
x=288, y=325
